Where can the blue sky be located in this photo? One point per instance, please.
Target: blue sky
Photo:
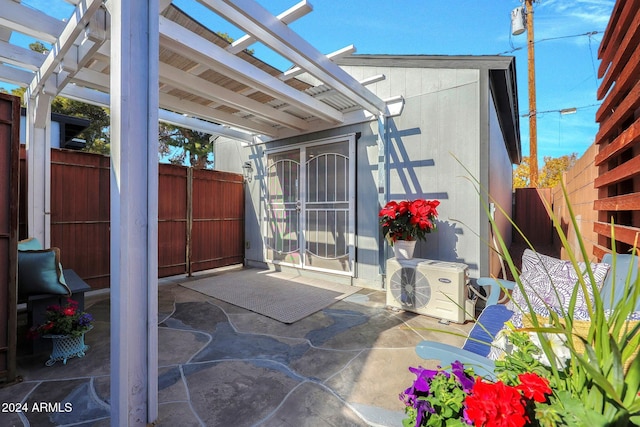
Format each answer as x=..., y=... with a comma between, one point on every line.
x=566, y=59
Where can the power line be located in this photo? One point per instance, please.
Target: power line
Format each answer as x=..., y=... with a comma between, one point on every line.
x=588, y=34
x=561, y=110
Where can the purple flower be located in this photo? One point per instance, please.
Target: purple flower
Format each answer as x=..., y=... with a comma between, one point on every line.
x=422, y=406
x=457, y=368
x=85, y=319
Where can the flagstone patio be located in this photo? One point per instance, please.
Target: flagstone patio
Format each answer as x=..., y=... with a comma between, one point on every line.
x=221, y=365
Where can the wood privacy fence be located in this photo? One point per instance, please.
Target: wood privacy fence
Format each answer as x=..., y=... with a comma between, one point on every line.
x=531, y=215
x=200, y=217
x=9, y=143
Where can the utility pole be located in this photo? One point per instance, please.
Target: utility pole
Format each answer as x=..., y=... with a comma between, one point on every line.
x=533, y=128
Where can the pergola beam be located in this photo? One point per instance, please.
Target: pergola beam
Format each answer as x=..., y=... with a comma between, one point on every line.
x=190, y=83
x=75, y=26
x=287, y=17
x=198, y=49
x=102, y=99
x=256, y=20
x=296, y=71
x=20, y=57
x=177, y=119
x=15, y=76
x=29, y=21
x=174, y=103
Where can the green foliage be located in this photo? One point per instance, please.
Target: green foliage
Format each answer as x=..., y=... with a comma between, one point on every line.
x=597, y=378
x=601, y=384
x=178, y=144
x=97, y=133
x=549, y=175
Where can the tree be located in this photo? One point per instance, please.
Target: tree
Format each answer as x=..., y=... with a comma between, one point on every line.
x=551, y=172
x=188, y=144
x=549, y=176
x=97, y=133
x=521, y=174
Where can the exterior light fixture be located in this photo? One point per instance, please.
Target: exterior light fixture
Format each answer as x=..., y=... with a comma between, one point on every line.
x=247, y=170
x=566, y=111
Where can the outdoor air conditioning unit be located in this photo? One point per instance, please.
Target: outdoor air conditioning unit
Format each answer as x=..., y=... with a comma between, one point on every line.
x=434, y=288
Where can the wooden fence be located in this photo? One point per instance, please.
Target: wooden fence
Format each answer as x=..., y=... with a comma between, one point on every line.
x=200, y=217
x=531, y=215
x=9, y=143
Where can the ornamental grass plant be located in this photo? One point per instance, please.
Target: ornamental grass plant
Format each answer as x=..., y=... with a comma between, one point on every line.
x=549, y=375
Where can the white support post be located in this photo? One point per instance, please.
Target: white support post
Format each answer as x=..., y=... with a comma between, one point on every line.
x=134, y=212
x=38, y=138
x=383, y=183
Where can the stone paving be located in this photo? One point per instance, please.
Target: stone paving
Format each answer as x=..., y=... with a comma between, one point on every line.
x=221, y=365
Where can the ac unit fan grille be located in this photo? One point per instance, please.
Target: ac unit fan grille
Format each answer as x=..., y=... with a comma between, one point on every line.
x=410, y=288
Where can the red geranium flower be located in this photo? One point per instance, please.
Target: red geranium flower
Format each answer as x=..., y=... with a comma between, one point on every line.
x=534, y=387
x=495, y=404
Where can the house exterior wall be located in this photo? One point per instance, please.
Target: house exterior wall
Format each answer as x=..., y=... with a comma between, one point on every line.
x=430, y=144
x=500, y=187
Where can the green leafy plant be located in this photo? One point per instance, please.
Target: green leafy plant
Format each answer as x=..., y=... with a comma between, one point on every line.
x=593, y=377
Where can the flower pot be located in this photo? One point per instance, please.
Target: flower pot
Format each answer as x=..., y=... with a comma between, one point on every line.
x=403, y=249
x=65, y=347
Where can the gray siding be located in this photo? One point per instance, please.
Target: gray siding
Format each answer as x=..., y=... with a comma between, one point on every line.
x=500, y=185
x=437, y=136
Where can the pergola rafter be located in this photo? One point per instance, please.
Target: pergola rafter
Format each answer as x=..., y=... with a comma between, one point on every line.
x=193, y=65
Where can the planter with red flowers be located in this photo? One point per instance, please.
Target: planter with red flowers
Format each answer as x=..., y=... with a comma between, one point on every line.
x=65, y=325
x=405, y=222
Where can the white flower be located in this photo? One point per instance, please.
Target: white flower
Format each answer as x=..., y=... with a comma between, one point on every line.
x=502, y=342
x=557, y=344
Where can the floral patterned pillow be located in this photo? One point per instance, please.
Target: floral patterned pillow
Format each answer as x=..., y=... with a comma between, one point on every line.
x=540, y=275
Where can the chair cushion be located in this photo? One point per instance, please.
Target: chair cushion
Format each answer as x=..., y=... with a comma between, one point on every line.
x=614, y=285
x=491, y=320
x=39, y=272
x=549, y=282
x=30, y=244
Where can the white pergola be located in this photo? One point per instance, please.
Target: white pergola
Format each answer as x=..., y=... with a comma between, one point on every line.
x=149, y=61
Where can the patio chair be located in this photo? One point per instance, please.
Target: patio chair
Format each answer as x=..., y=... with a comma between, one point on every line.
x=477, y=346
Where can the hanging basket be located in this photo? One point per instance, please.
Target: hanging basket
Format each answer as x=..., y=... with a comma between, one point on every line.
x=403, y=249
x=66, y=347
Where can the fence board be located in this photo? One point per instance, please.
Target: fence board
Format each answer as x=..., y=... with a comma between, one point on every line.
x=218, y=223
x=9, y=185
x=172, y=220
x=80, y=212
x=531, y=215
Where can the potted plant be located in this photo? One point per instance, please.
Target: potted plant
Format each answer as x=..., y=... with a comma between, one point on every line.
x=558, y=371
x=65, y=325
x=405, y=222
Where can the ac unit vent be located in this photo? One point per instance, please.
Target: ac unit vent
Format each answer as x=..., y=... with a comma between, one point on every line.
x=434, y=288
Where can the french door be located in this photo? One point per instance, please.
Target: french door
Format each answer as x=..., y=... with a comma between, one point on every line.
x=310, y=206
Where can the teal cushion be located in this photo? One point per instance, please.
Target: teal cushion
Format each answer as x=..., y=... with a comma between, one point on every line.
x=30, y=244
x=39, y=272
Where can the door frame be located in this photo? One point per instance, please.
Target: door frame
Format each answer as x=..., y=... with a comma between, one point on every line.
x=350, y=138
